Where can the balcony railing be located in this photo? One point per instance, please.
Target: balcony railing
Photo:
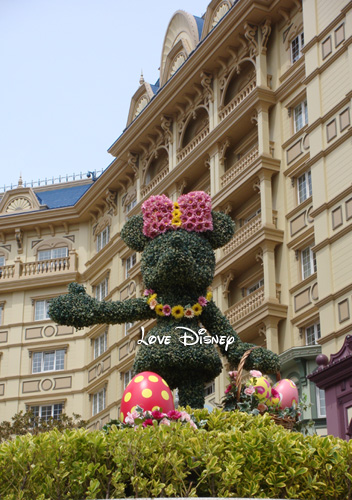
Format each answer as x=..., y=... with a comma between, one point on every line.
x=241, y=96
x=245, y=306
x=194, y=143
x=154, y=182
x=56, y=266
x=239, y=166
x=243, y=234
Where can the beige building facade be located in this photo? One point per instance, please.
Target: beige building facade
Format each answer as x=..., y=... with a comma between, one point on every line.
x=252, y=106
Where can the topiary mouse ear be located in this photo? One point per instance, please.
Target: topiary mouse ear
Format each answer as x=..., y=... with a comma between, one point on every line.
x=223, y=230
x=132, y=233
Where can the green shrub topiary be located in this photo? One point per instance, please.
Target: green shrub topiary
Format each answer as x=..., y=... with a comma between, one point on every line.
x=234, y=455
x=177, y=265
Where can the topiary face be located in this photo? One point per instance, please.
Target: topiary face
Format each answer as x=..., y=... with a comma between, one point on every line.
x=178, y=259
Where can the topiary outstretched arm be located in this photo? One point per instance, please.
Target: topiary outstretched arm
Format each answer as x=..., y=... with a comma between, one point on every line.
x=217, y=324
x=78, y=309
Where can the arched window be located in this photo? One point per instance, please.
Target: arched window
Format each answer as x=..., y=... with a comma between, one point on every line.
x=195, y=125
x=239, y=81
x=157, y=165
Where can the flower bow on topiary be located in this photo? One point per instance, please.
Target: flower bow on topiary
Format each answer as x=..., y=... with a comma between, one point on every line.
x=191, y=212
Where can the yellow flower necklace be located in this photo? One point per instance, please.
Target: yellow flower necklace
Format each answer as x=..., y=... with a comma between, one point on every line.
x=178, y=311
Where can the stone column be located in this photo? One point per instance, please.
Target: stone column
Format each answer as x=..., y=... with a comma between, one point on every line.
x=271, y=333
x=268, y=258
x=266, y=202
x=263, y=129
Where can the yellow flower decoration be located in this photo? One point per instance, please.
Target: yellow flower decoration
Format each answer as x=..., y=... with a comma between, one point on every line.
x=209, y=296
x=151, y=297
x=177, y=312
x=176, y=221
x=176, y=213
x=197, y=308
x=159, y=310
x=176, y=205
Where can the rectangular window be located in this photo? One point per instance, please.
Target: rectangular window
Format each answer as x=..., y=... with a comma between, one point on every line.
x=101, y=289
x=313, y=334
x=127, y=377
x=103, y=238
x=2, y=260
x=255, y=287
x=54, y=253
x=130, y=262
x=209, y=389
x=100, y=344
x=308, y=261
x=127, y=327
x=304, y=186
x=41, y=310
x=250, y=217
x=46, y=412
x=297, y=45
x=47, y=361
x=131, y=205
x=321, y=406
x=300, y=116
x=99, y=402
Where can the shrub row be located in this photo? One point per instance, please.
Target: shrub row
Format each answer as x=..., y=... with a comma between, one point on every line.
x=234, y=455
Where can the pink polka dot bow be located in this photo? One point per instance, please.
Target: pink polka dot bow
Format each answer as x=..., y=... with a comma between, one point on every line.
x=191, y=212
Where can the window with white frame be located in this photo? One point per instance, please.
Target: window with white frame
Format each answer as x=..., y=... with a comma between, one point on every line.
x=101, y=289
x=312, y=334
x=130, y=262
x=297, y=45
x=2, y=260
x=308, y=262
x=46, y=412
x=127, y=327
x=321, y=405
x=53, y=253
x=255, y=286
x=300, y=116
x=127, y=377
x=47, y=361
x=103, y=238
x=251, y=216
x=41, y=310
x=209, y=388
x=131, y=205
x=100, y=344
x=304, y=186
x=98, y=401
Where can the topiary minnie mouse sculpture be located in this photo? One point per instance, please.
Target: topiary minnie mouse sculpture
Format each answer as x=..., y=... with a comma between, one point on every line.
x=178, y=263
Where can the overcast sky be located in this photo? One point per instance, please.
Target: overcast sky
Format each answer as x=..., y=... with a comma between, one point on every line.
x=68, y=71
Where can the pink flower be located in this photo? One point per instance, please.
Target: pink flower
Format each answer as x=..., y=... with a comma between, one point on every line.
x=189, y=226
x=153, y=303
x=255, y=373
x=148, y=291
x=129, y=419
x=158, y=415
x=192, y=424
x=262, y=407
x=233, y=374
x=185, y=417
x=174, y=415
x=165, y=421
x=228, y=389
x=166, y=310
x=249, y=390
x=202, y=301
x=147, y=422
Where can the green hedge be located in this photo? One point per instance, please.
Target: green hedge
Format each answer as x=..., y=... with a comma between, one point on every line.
x=234, y=455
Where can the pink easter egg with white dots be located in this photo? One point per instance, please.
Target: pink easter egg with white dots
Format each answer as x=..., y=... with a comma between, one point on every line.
x=284, y=393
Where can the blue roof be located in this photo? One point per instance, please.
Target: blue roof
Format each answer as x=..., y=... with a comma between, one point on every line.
x=64, y=197
x=155, y=87
x=200, y=22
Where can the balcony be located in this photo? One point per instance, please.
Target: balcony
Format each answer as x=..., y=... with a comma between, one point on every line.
x=239, y=166
x=40, y=269
x=243, y=234
x=145, y=190
x=238, y=99
x=193, y=143
x=245, y=306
